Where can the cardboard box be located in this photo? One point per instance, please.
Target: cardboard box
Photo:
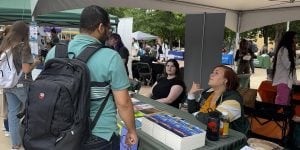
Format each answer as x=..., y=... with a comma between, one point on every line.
x=171, y=139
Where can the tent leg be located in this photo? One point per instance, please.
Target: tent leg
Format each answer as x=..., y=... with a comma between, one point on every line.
x=237, y=37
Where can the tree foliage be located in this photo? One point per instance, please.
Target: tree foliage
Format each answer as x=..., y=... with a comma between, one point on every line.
x=167, y=25
x=295, y=26
x=229, y=39
x=171, y=26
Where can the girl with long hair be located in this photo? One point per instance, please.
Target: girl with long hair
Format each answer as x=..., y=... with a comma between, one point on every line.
x=116, y=43
x=243, y=56
x=284, y=70
x=17, y=41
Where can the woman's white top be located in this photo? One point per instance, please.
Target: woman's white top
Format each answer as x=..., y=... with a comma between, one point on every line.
x=282, y=74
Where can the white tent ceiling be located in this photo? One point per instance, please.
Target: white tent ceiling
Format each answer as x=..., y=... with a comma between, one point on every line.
x=139, y=35
x=241, y=15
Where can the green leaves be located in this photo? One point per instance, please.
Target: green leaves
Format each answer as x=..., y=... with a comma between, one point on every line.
x=168, y=25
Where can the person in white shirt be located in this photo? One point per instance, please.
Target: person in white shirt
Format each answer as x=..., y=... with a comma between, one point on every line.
x=135, y=47
x=162, y=49
x=284, y=70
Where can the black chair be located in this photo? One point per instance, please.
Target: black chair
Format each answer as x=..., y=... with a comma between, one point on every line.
x=270, y=122
x=134, y=69
x=295, y=126
x=145, y=73
x=135, y=85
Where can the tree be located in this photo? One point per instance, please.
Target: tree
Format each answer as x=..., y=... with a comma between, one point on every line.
x=229, y=38
x=250, y=34
x=280, y=29
x=295, y=26
x=167, y=25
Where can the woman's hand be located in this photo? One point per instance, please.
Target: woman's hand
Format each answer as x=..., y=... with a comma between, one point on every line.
x=195, y=88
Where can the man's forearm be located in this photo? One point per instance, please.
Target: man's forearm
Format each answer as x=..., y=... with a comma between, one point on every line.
x=127, y=115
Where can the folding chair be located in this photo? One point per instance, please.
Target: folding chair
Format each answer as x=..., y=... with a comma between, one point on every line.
x=244, y=80
x=295, y=126
x=295, y=101
x=249, y=98
x=267, y=91
x=145, y=73
x=135, y=85
x=249, y=95
x=270, y=122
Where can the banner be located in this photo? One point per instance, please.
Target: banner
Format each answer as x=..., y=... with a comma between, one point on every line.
x=33, y=35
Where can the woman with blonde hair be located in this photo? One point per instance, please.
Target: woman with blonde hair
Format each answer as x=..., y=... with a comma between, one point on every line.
x=17, y=42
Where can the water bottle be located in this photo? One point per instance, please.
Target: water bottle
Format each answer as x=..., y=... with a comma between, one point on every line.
x=224, y=125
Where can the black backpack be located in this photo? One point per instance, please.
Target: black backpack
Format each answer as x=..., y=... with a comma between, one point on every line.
x=58, y=106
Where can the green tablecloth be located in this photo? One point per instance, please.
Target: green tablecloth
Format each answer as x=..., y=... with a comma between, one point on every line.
x=235, y=140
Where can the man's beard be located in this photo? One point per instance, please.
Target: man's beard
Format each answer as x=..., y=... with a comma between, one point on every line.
x=103, y=40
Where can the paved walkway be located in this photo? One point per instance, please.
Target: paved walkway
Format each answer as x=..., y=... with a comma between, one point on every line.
x=4, y=141
x=260, y=75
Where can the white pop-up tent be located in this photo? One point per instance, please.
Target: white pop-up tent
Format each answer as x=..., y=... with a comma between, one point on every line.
x=241, y=15
x=139, y=35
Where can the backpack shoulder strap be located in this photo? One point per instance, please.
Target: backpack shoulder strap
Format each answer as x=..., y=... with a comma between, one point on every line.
x=93, y=124
x=84, y=56
x=88, y=52
x=61, y=50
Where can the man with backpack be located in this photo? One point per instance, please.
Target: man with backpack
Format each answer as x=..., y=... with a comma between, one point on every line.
x=105, y=65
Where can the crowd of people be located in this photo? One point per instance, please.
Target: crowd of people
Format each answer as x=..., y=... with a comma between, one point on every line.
x=110, y=64
x=94, y=29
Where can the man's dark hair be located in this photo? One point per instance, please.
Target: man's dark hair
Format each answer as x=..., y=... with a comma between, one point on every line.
x=53, y=30
x=91, y=17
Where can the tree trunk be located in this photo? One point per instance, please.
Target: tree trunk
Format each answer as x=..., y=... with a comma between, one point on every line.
x=265, y=35
x=170, y=43
x=230, y=44
x=279, y=33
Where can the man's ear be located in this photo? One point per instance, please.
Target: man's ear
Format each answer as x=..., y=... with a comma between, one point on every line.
x=100, y=27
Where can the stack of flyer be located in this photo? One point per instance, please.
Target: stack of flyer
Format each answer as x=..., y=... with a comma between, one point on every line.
x=173, y=131
x=143, y=107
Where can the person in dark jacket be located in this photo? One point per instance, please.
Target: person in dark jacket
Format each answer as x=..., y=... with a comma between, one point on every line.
x=243, y=56
x=54, y=37
x=222, y=96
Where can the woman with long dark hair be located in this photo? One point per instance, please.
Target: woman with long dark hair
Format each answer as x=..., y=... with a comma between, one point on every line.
x=169, y=89
x=17, y=42
x=116, y=43
x=284, y=70
x=243, y=56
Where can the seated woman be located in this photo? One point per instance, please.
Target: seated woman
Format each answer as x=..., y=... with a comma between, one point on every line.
x=221, y=96
x=169, y=89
